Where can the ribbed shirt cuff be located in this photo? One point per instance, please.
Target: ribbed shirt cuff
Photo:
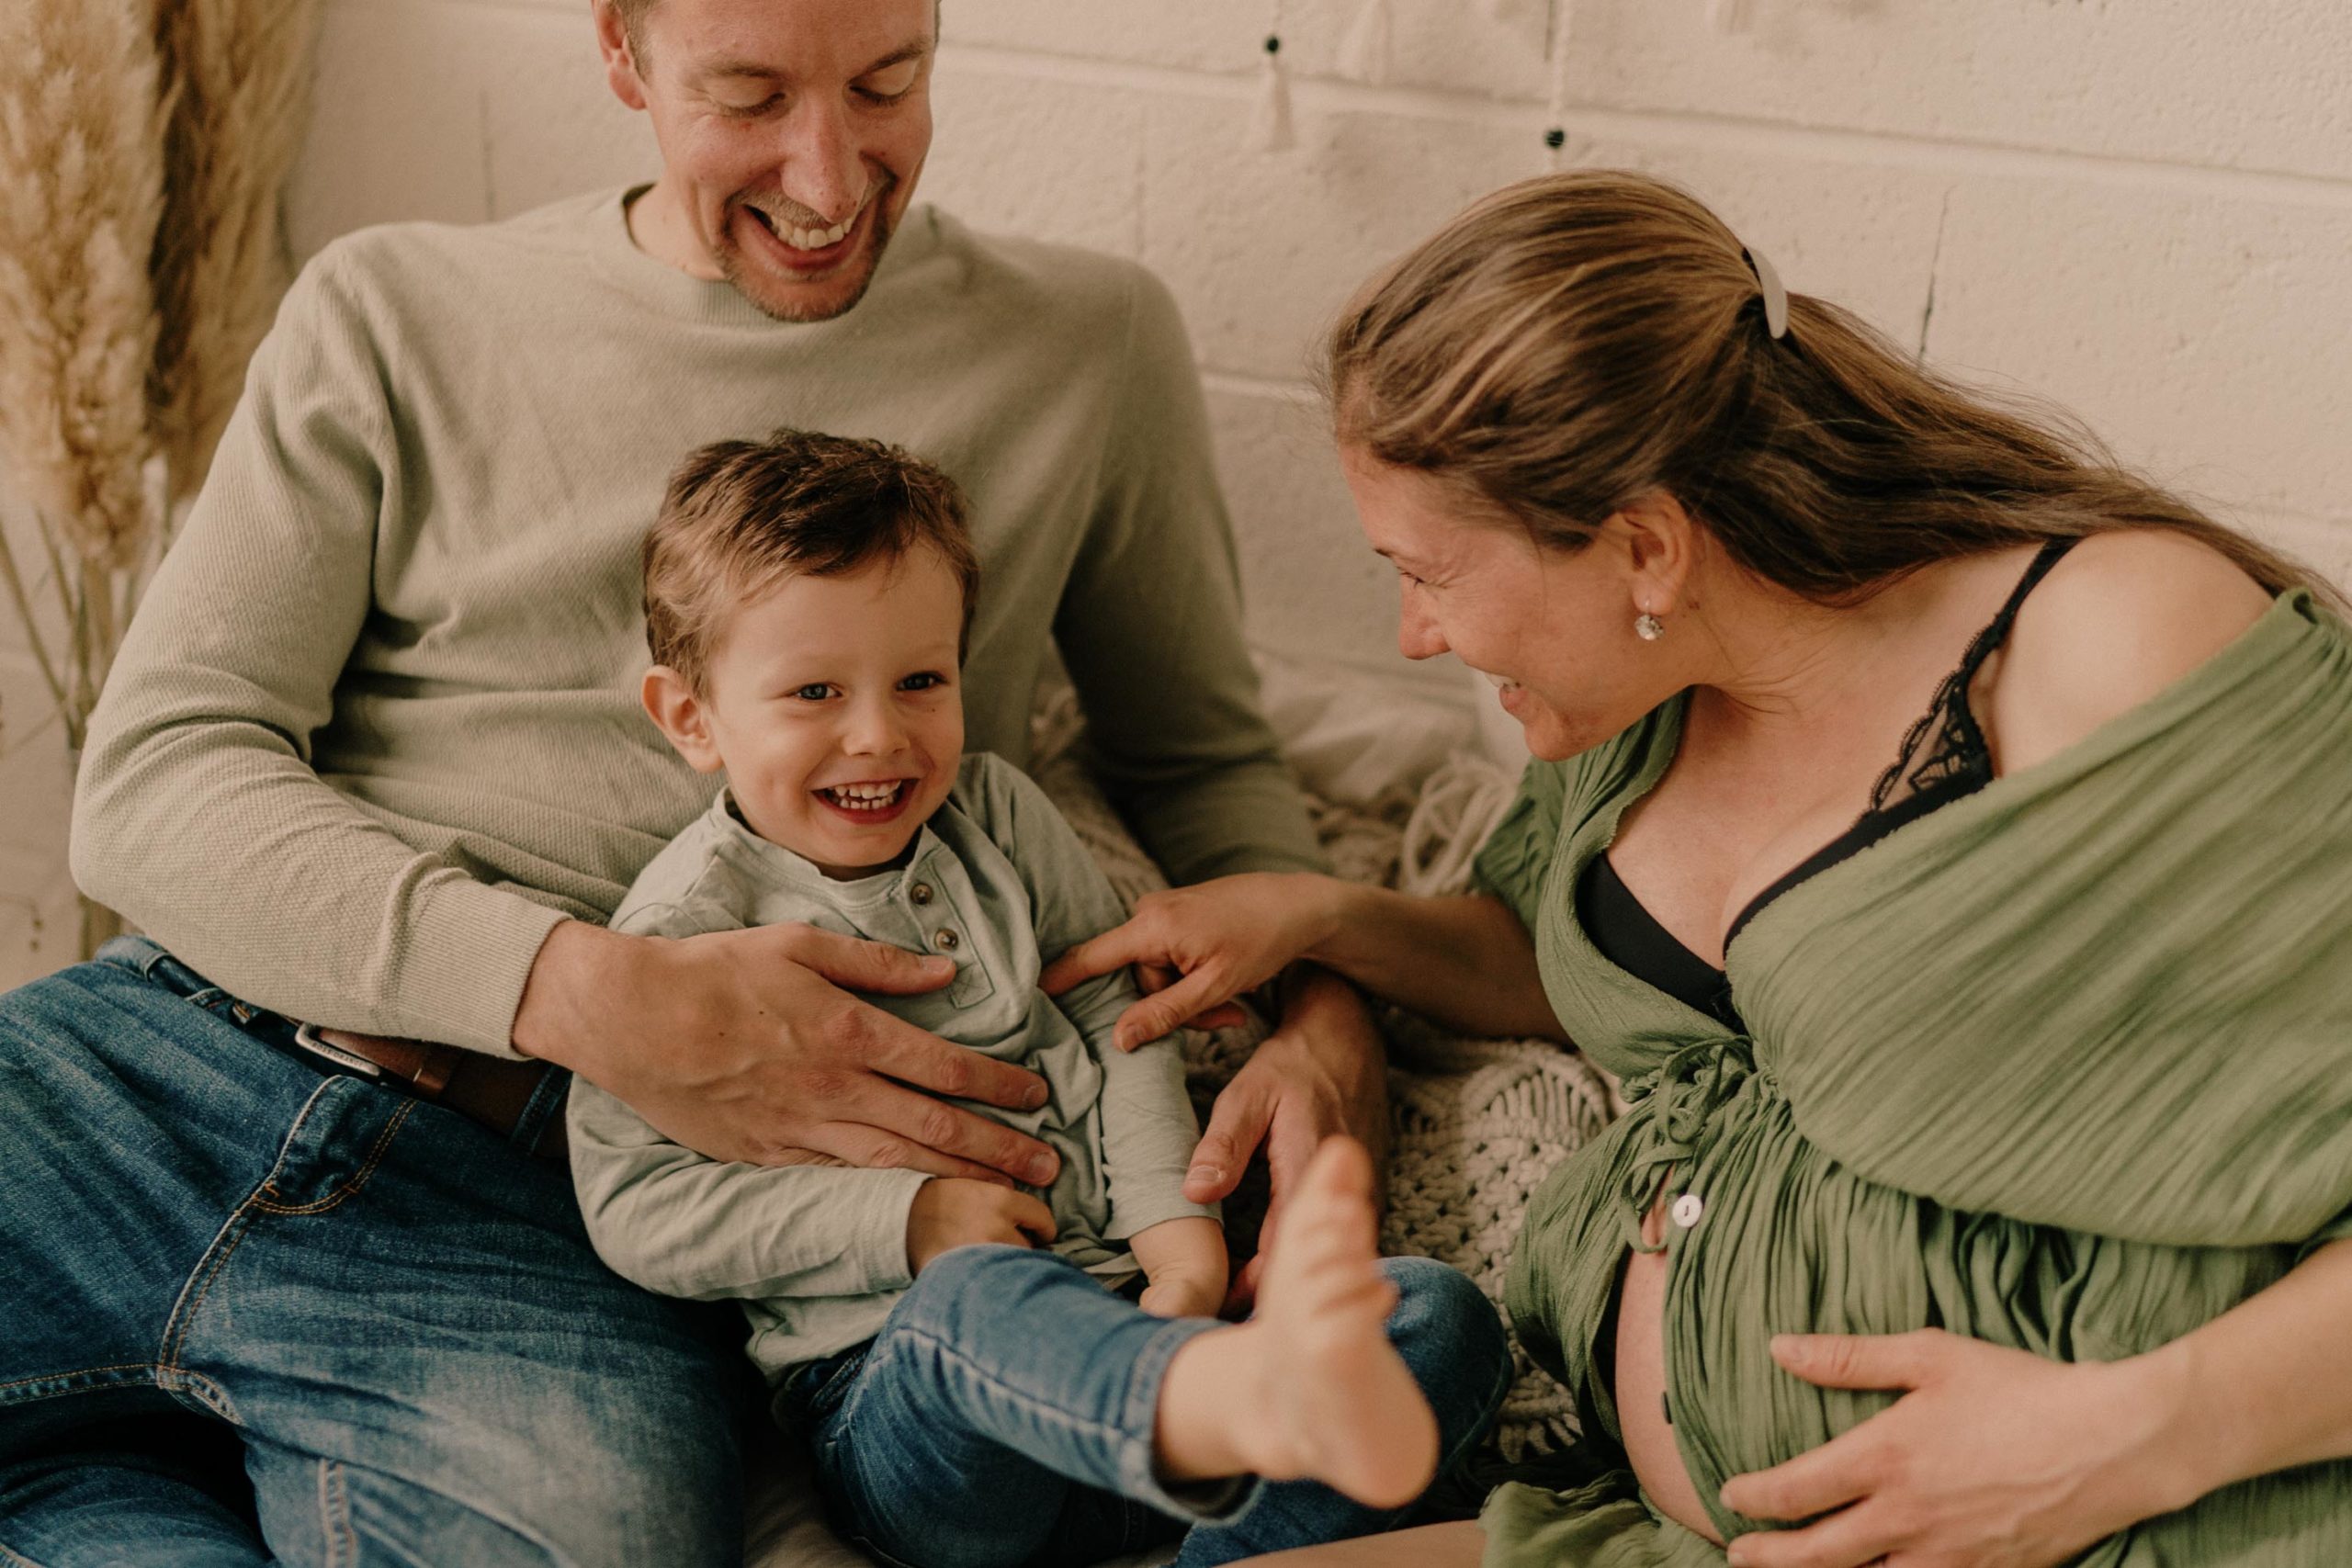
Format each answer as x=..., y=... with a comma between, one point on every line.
x=469, y=957
x=1128, y=1219
x=879, y=1229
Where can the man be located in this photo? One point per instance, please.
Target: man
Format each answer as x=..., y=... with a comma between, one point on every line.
x=372, y=760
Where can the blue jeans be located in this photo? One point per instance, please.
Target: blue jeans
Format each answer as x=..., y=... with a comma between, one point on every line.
x=1004, y=1416
x=253, y=1313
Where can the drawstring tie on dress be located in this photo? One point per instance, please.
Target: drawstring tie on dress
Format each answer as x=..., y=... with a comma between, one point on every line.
x=1687, y=1087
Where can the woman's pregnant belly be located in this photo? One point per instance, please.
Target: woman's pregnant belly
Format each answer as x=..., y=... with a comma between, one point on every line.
x=1790, y=1240
x=1640, y=1389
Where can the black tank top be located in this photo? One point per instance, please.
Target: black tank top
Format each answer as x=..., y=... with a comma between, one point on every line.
x=1943, y=758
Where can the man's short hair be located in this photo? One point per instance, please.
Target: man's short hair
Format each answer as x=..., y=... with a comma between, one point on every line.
x=634, y=12
x=740, y=516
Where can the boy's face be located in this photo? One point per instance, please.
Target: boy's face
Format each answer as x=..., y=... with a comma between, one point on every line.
x=833, y=706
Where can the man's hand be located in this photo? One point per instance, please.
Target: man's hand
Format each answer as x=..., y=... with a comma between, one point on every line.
x=743, y=1045
x=1994, y=1458
x=1321, y=1072
x=950, y=1212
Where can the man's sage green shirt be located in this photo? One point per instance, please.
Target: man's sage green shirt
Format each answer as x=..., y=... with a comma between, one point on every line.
x=376, y=728
x=998, y=882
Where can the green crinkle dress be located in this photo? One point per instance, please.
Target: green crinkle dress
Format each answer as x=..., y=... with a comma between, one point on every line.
x=2064, y=1065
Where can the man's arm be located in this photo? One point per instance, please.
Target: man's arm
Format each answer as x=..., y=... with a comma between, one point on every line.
x=1150, y=626
x=197, y=813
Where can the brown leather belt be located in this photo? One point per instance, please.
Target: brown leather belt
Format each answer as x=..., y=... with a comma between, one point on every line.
x=483, y=1089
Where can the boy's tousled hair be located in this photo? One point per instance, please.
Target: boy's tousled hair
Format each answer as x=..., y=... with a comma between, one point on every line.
x=740, y=516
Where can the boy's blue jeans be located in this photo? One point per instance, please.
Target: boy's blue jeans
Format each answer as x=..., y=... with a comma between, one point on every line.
x=1003, y=1418
x=251, y=1313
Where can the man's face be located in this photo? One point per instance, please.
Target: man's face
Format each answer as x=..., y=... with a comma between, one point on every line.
x=792, y=132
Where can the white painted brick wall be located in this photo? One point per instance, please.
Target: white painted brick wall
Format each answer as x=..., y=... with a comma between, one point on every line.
x=2140, y=208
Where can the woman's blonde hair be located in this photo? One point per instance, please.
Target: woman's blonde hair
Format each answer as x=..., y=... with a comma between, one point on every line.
x=1571, y=343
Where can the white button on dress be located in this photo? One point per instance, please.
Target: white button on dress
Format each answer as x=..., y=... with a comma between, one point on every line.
x=1687, y=1210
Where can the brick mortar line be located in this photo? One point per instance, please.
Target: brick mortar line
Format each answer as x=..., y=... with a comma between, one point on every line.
x=1912, y=149
x=1892, y=148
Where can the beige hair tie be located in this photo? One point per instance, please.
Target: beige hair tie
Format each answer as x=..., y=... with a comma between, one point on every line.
x=1776, y=294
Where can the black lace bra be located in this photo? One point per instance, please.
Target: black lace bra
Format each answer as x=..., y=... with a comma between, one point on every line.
x=1943, y=758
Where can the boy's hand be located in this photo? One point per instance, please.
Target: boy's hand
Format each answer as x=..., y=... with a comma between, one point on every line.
x=1183, y=1297
x=950, y=1212
x=1185, y=1262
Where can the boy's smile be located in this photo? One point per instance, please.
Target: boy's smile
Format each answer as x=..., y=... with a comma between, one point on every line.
x=833, y=704
x=877, y=800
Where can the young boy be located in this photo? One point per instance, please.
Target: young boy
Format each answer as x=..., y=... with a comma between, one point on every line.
x=972, y=1391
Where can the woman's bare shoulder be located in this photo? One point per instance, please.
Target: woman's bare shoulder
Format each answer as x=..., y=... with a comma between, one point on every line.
x=2123, y=616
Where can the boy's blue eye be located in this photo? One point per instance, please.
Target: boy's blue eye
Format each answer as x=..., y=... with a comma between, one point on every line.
x=922, y=682
x=815, y=691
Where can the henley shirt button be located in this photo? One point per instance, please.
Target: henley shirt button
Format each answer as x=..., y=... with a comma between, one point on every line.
x=944, y=940
x=1687, y=1210
x=920, y=892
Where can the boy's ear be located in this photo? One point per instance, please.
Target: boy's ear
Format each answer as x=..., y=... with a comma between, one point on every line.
x=671, y=703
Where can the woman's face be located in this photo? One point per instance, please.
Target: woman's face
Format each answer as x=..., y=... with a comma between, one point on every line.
x=1553, y=629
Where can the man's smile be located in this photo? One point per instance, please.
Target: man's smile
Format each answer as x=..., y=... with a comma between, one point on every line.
x=779, y=230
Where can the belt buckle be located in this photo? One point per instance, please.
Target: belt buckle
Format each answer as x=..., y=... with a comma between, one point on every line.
x=307, y=1036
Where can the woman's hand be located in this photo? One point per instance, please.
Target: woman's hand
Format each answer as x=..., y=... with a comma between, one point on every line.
x=1993, y=1459
x=1209, y=943
x=1322, y=1073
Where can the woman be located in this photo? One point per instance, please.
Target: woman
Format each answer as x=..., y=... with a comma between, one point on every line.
x=1946, y=837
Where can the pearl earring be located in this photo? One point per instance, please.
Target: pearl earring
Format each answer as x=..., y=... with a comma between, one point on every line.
x=1648, y=627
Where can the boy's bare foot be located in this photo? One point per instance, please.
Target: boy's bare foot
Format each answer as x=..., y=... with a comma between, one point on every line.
x=1309, y=1387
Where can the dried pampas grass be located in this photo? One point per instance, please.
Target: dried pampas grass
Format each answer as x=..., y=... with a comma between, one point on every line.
x=142, y=144
x=81, y=192
x=239, y=78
